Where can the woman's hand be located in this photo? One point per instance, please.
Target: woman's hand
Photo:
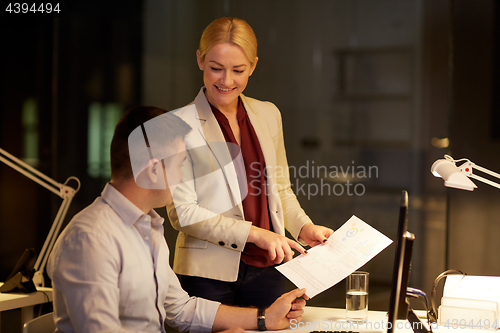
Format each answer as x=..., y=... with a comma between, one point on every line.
x=279, y=247
x=315, y=234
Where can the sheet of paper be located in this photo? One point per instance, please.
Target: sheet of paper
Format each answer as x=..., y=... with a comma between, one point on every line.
x=349, y=248
x=485, y=288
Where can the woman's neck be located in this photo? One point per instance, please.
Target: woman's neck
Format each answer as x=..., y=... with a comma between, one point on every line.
x=229, y=110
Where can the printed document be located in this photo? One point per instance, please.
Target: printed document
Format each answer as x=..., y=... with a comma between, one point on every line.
x=349, y=247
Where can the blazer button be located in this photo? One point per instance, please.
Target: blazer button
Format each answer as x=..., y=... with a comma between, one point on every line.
x=234, y=246
x=221, y=243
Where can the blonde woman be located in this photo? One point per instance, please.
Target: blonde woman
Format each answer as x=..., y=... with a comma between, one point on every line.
x=227, y=252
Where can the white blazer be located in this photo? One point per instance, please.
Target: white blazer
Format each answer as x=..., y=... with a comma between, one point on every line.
x=207, y=209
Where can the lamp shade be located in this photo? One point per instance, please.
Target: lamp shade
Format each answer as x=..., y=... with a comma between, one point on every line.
x=452, y=175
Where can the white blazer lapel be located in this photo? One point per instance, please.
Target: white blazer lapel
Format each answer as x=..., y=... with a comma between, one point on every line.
x=211, y=131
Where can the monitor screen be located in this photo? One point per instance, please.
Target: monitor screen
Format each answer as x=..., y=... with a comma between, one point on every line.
x=398, y=306
x=20, y=280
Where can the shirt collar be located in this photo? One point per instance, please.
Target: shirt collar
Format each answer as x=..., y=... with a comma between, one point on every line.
x=125, y=209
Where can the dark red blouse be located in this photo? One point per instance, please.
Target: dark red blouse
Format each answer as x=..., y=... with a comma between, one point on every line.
x=255, y=203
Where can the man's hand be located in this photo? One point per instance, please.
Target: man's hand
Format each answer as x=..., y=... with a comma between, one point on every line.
x=315, y=234
x=234, y=330
x=278, y=315
x=279, y=247
x=286, y=308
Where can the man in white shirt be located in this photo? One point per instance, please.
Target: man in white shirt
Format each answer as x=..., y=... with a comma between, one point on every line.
x=109, y=267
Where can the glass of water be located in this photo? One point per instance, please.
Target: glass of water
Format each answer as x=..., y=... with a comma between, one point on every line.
x=356, y=299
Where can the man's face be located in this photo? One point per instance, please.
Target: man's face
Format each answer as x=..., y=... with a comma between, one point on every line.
x=173, y=168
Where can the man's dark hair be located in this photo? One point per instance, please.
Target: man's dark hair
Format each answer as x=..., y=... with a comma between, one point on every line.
x=172, y=127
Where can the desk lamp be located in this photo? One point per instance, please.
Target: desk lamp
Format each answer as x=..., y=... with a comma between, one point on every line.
x=62, y=190
x=458, y=176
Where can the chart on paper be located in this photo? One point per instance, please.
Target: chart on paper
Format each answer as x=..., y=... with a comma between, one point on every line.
x=366, y=247
x=350, y=247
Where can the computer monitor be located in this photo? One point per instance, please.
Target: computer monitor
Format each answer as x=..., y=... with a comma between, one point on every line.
x=21, y=278
x=398, y=304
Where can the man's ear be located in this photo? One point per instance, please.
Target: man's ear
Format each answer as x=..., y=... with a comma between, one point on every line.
x=154, y=176
x=154, y=167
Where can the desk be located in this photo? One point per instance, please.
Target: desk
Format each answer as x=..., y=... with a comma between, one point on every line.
x=25, y=302
x=329, y=319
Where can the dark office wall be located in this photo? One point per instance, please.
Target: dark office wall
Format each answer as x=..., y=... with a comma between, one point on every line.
x=89, y=52
x=495, y=124
x=435, y=92
x=475, y=216
x=460, y=103
x=26, y=71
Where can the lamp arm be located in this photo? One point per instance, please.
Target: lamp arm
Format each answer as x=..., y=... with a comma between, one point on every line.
x=489, y=172
x=484, y=180
x=30, y=172
x=62, y=190
x=468, y=167
x=43, y=257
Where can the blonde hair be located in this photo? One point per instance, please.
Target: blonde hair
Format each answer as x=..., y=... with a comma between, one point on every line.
x=229, y=30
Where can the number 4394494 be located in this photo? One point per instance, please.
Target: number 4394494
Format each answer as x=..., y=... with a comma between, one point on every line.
x=23, y=8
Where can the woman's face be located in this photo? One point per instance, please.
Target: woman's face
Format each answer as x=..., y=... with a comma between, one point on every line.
x=226, y=70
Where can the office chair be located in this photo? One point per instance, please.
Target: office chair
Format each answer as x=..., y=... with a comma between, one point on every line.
x=42, y=324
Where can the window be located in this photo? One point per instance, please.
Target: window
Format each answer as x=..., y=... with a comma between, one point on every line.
x=102, y=122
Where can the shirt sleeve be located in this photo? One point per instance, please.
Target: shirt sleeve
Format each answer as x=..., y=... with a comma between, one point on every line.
x=186, y=313
x=85, y=271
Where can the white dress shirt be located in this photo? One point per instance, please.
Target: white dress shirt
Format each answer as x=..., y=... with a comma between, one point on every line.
x=110, y=272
